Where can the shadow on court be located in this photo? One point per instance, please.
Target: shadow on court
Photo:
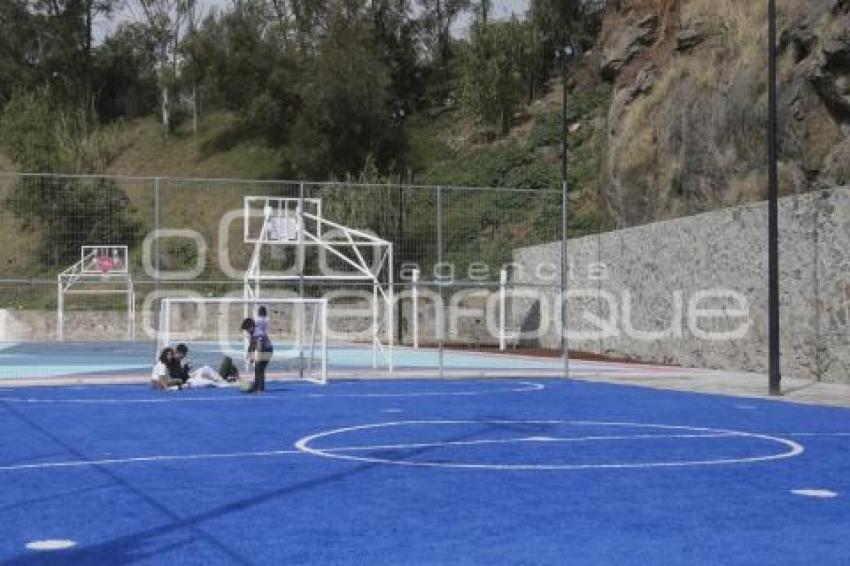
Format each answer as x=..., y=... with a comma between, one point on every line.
x=152, y=542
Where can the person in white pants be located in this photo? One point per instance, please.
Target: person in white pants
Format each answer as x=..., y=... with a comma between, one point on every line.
x=204, y=376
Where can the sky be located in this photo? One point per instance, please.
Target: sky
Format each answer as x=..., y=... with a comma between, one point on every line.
x=502, y=9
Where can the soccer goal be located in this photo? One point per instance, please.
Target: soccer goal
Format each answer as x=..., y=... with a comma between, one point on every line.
x=210, y=327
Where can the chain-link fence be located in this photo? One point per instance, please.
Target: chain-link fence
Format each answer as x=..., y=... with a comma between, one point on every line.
x=450, y=266
x=473, y=280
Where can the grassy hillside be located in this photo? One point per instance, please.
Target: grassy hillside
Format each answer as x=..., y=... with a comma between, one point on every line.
x=149, y=152
x=445, y=148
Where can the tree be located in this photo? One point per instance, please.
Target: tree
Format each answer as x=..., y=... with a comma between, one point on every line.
x=67, y=212
x=126, y=84
x=190, y=66
x=439, y=15
x=396, y=39
x=27, y=128
x=482, y=11
x=251, y=66
x=558, y=22
x=496, y=71
x=345, y=115
x=50, y=42
x=165, y=20
x=19, y=46
x=90, y=10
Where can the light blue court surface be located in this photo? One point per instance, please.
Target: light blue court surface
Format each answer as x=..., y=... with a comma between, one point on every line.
x=506, y=471
x=55, y=359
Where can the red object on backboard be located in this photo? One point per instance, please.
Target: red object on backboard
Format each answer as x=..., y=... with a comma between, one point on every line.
x=104, y=263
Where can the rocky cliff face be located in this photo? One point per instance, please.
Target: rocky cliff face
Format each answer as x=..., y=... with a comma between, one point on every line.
x=686, y=128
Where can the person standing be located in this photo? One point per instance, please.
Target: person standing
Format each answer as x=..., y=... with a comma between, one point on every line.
x=260, y=352
x=262, y=322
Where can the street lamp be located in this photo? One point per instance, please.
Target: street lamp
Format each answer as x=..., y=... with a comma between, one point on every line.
x=774, y=371
x=564, y=55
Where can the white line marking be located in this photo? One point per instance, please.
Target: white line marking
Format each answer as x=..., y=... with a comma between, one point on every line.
x=710, y=433
x=516, y=440
x=817, y=433
x=822, y=493
x=794, y=449
x=54, y=544
x=145, y=459
x=526, y=387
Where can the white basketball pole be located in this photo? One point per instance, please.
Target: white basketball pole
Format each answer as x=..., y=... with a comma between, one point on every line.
x=131, y=311
x=415, y=308
x=390, y=309
x=324, y=314
x=60, y=311
x=375, y=338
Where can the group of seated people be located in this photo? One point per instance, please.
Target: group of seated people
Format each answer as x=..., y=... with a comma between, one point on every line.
x=174, y=371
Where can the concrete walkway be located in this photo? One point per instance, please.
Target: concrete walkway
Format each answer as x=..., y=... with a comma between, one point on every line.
x=736, y=384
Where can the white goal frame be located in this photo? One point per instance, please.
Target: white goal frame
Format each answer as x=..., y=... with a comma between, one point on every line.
x=164, y=325
x=303, y=216
x=117, y=280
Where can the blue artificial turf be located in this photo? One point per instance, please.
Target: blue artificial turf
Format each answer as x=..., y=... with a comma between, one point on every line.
x=213, y=477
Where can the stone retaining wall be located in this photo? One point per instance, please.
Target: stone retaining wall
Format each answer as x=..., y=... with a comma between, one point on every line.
x=645, y=267
x=468, y=326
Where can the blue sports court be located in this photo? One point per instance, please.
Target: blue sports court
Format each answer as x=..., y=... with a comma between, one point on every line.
x=516, y=470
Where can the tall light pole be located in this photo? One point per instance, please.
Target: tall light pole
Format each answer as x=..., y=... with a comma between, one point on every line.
x=565, y=55
x=774, y=371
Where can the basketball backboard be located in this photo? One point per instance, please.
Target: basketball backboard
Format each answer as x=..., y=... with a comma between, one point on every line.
x=276, y=220
x=104, y=259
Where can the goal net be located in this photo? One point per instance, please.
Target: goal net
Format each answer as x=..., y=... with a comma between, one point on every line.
x=210, y=328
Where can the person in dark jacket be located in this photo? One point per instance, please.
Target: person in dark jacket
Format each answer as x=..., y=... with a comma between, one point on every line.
x=166, y=372
x=260, y=352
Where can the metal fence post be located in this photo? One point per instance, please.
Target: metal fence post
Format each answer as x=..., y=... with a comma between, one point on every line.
x=156, y=186
x=414, y=299
x=441, y=317
x=301, y=261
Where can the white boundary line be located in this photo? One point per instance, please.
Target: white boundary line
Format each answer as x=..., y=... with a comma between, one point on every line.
x=143, y=459
x=794, y=449
x=521, y=387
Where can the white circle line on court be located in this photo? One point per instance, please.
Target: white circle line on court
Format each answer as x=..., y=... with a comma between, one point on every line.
x=269, y=453
x=793, y=448
x=522, y=387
